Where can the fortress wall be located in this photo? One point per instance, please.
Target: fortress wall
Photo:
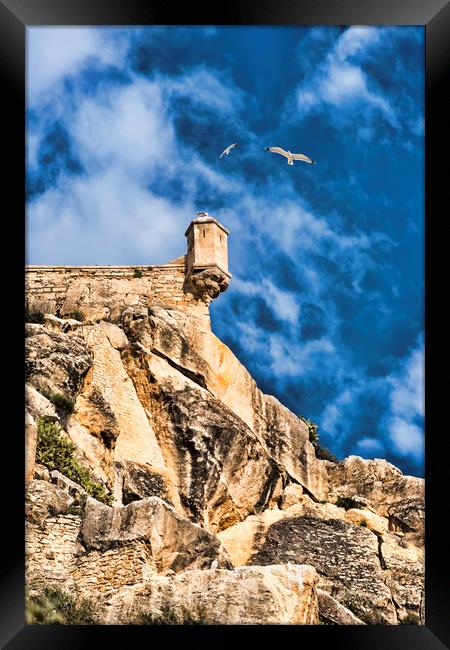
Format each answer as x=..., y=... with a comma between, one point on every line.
x=105, y=291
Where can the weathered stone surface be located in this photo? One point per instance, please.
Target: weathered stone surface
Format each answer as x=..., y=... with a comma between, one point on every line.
x=30, y=445
x=207, y=285
x=165, y=414
x=109, y=407
x=41, y=473
x=44, y=500
x=175, y=542
x=247, y=595
x=244, y=539
x=365, y=518
x=382, y=484
x=404, y=576
x=56, y=362
x=222, y=472
x=55, y=324
x=204, y=359
x=38, y=405
x=408, y=516
x=345, y=556
x=70, y=487
x=334, y=613
x=138, y=481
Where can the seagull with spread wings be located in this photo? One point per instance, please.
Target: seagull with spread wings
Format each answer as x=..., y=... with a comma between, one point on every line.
x=226, y=151
x=291, y=156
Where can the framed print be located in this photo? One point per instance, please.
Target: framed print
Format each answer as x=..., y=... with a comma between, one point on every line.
x=230, y=226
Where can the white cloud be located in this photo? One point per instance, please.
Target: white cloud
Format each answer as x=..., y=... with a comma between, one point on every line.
x=341, y=83
x=53, y=52
x=128, y=126
x=207, y=88
x=405, y=418
x=355, y=39
x=371, y=446
x=107, y=218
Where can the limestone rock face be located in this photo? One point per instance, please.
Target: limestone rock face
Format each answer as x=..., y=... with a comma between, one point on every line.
x=175, y=542
x=345, y=557
x=248, y=595
x=333, y=612
x=207, y=472
x=44, y=500
x=381, y=483
x=56, y=362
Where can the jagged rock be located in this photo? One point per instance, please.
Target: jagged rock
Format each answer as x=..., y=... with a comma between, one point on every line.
x=207, y=285
x=175, y=542
x=408, y=516
x=365, y=518
x=292, y=494
x=243, y=539
x=56, y=362
x=116, y=336
x=247, y=595
x=44, y=500
x=138, y=481
x=41, y=473
x=223, y=473
x=38, y=405
x=109, y=406
x=380, y=482
x=345, y=556
x=73, y=489
x=164, y=409
x=333, y=612
x=404, y=576
x=55, y=324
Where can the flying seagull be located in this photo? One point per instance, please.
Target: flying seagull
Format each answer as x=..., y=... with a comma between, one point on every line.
x=291, y=156
x=228, y=149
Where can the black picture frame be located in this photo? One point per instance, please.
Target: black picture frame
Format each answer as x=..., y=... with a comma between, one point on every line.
x=15, y=17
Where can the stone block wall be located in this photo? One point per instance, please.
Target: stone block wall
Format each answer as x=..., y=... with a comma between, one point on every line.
x=102, y=292
x=50, y=549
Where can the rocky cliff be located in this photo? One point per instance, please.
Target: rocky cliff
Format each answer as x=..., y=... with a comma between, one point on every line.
x=196, y=490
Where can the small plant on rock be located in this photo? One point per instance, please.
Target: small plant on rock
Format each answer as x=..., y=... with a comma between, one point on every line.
x=347, y=503
x=312, y=430
x=50, y=605
x=34, y=316
x=76, y=314
x=168, y=616
x=410, y=619
x=137, y=273
x=322, y=453
x=63, y=404
x=55, y=451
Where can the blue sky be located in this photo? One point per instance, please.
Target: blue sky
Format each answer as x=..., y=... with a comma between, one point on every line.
x=325, y=308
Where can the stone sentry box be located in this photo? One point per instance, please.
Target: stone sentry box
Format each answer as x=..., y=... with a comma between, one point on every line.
x=207, y=242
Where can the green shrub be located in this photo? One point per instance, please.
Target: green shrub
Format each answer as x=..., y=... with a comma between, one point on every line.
x=347, y=503
x=312, y=429
x=51, y=606
x=137, y=273
x=410, y=619
x=322, y=453
x=63, y=404
x=56, y=452
x=34, y=316
x=167, y=616
x=76, y=314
